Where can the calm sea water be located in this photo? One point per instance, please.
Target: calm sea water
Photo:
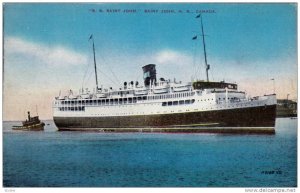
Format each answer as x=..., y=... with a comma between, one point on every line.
x=80, y=159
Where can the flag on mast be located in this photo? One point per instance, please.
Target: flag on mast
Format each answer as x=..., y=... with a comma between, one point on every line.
x=91, y=37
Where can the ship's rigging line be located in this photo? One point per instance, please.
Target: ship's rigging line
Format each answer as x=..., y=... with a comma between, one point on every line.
x=90, y=73
x=195, y=67
x=104, y=61
x=85, y=75
x=108, y=78
x=207, y=66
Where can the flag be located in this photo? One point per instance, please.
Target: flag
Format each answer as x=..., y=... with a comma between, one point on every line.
x=194, y=38
x=198, y=16
x=91, y=37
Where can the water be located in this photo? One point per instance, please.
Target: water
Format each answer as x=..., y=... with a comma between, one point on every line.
x=80, y=159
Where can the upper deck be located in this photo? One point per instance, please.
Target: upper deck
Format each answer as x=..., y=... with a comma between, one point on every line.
x=214, y=85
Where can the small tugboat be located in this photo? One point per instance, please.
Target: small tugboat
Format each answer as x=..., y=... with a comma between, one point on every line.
x=32, y=124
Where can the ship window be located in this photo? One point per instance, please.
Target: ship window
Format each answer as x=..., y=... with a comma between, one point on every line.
x=181, y=102
x=193, y=100
x=144, y=97
x=164, y=104
x=170, y=103
x=187, y=102
x=76, y=109
x=175, y=103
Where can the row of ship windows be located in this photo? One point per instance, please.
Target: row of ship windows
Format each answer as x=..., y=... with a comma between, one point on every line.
x=170, y=103
x=181, y=102
x=72, y=108
x=125, y=100
x=167, y=104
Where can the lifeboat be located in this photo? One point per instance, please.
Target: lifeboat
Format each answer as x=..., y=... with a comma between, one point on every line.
x=101, y=95
x=85, y=96
x=141, y=91
x=181, y=87
x=160, y=89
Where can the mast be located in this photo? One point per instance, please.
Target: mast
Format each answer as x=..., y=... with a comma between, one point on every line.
x=95, y=65
x=204, y=48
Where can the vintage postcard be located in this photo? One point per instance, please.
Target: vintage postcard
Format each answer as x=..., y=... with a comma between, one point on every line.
x=150, y=95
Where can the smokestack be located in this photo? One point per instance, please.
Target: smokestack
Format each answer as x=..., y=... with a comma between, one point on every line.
x=28, y=115
x=149, y=74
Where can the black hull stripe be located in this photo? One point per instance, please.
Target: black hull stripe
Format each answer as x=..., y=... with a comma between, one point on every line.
x=254, y=117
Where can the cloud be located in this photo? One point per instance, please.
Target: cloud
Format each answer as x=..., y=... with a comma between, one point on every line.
x=19, y=50
x=172, y=57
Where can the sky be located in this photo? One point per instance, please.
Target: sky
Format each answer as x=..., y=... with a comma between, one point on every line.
x=47, y=48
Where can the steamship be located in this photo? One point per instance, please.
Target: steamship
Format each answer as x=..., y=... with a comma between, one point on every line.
x=161, y=105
